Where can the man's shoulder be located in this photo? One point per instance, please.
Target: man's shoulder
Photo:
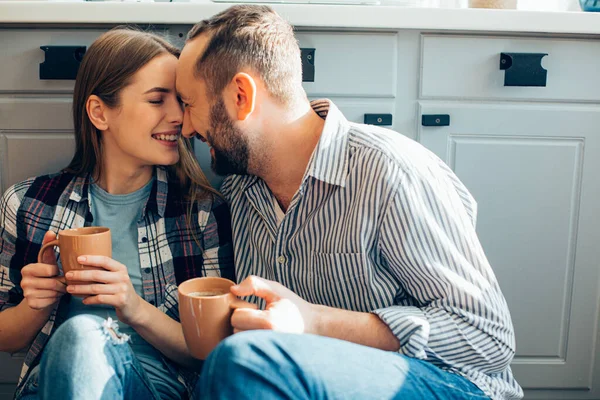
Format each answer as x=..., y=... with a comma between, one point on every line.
x=388, y=148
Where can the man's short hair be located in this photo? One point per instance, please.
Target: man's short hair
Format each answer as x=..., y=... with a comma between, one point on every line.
x=249, y=37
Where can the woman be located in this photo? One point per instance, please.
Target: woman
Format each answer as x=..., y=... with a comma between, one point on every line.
x=133, y=172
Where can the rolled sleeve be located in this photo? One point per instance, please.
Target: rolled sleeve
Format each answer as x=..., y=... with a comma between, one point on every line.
x=410, y=326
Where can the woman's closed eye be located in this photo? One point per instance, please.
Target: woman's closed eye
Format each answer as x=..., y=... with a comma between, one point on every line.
x=156, y=101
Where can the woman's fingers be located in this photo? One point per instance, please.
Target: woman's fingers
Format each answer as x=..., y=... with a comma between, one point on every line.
x=94, y=275
x=96, y=289
x=42, y=294
x=39, y=270
x=54, y=284
x=102, y=262
x=107, y=299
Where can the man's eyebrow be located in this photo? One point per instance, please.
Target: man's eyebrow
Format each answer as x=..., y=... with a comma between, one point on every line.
x=158, y=90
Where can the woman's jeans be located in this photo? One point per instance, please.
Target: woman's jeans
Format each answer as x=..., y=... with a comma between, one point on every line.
x=87, y=359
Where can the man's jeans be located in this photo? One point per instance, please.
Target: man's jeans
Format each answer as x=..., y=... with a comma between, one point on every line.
x=86, y=359
x=266, y=365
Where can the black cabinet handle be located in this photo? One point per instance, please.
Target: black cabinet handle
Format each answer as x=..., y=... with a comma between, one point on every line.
x=61, y=62
x=308, y=64
x=378, y=119
x=523, y=69
x=435, y=120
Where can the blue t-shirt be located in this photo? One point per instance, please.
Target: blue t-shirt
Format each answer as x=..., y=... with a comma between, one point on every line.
x=121, y=214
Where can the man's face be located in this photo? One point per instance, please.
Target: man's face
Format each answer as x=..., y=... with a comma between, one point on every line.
x=207, y=118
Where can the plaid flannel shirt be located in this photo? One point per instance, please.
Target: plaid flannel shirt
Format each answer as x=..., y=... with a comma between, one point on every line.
x=171, y=250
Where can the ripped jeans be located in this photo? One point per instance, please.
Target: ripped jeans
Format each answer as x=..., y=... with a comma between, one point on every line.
x=87, y=359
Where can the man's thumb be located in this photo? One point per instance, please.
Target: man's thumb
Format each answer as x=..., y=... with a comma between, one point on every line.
x=253, y=285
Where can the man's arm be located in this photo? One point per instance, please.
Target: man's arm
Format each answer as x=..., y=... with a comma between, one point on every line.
x=287, y=312
x=428, y=240
x=357, y=327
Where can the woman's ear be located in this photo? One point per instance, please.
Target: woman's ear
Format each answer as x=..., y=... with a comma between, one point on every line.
x=96, y=111
x=243, y=89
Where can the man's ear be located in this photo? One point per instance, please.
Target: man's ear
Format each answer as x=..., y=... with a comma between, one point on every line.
x=96, y=111
x=243, y=90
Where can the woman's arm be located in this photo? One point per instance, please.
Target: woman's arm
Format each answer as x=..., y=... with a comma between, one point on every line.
x=26, y=305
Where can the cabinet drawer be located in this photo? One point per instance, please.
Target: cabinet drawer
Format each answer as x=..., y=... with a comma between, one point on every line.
x=469, y=67
x=21, y=57
x=352, y=64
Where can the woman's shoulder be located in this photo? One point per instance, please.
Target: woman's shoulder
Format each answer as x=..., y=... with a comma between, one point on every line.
x=39, y=185
x=44, y=188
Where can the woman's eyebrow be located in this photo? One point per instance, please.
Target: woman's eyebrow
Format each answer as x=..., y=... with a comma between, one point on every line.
x=158, y=89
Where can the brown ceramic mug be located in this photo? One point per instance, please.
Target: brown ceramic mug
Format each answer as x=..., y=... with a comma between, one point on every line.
x=92, y=241
x=205, y=308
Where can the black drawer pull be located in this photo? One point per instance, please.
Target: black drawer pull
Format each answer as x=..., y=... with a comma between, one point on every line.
x=378, y=119
x=435, y=120
x=523, y=69
x=61, y=62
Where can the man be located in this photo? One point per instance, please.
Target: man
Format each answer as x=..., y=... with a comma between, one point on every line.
x=359, y=242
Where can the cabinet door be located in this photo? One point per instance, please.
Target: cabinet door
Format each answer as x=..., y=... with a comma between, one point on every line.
x=534, y=172
x=35, y=138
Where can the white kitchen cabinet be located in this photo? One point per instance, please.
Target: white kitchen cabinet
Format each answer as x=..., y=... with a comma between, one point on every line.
x=533, y=170
x=530, y=155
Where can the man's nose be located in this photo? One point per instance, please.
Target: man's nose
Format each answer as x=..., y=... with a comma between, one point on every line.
x=187, y=130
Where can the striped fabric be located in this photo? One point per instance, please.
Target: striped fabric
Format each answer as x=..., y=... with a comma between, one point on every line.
x=380, y=224
x=169, y=252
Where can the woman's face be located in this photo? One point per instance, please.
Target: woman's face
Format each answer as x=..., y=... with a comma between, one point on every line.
x=145, y=128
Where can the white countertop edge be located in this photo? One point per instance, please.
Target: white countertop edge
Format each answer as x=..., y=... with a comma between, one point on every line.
x=307, y=15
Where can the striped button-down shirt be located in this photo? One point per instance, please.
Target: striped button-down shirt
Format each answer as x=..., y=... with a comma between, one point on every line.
x=380, y=224
x=171, y=250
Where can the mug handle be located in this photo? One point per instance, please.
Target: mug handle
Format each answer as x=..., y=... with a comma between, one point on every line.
x=45, y=247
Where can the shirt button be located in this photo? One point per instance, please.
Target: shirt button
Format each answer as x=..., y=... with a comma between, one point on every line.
x=146, y=270
x=281, y=259
x=144, y=239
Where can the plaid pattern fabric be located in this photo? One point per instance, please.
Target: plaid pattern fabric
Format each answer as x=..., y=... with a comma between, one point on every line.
x=171, y=249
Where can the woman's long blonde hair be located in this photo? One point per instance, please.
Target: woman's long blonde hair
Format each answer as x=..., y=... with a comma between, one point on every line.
x=107, y=68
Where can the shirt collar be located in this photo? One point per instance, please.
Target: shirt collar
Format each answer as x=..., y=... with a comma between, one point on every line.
x=329, y=161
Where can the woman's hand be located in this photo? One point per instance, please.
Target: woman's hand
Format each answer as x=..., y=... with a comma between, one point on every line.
x=110, y=286
x=41, y=289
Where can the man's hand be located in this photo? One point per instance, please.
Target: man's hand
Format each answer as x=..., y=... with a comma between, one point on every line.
x=285, y=311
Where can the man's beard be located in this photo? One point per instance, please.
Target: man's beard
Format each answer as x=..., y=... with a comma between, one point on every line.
x=229, y=144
